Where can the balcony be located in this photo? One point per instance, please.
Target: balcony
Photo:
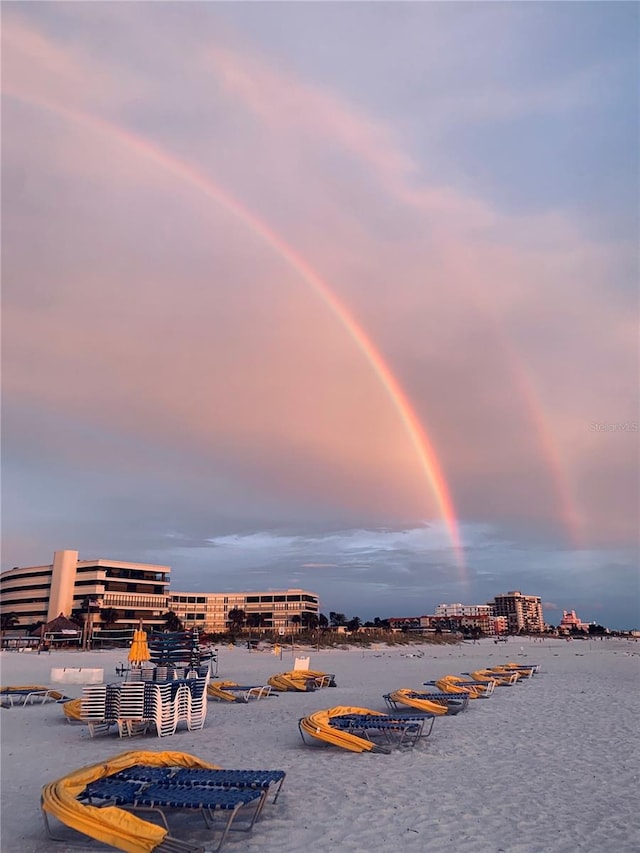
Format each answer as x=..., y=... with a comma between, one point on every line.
x=135, y=600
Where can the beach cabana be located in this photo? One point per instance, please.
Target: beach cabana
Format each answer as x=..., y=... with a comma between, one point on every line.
x=59, y=631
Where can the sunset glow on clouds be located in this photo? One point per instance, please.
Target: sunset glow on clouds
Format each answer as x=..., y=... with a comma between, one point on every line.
x=279, y=282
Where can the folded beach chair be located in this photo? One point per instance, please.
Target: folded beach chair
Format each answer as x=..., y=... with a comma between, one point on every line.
x=229, y=691
x=72, y=710
x=302, y=680
x=484, y=676
x=99, y=800
x=358, y=729
x=524, y=670
x=456, y=685
x=23, y=695
x=436, y=703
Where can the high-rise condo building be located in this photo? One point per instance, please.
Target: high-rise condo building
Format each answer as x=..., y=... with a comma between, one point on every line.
x=523, y=612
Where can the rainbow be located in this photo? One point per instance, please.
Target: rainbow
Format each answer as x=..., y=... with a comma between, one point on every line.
x=417, y=434
x=564, y=497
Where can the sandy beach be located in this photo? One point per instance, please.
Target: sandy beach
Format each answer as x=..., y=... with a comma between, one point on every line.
x=548, y=766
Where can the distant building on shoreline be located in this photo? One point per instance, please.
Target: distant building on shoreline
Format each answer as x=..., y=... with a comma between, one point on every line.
x=285, y=611
x=570, y=622
x=508, y=613
x=523, y=612
x=139, y=592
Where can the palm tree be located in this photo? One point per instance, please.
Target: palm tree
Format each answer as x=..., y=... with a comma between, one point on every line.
x=237, y=618
x=309, y=620
x=109, y=616
x=295, y=620
x=323, y=621
x=354, y=624
x=172, y=622
x=8, y=621
x=336, y=619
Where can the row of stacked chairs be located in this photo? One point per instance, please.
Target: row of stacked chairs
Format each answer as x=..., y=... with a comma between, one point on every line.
x=175, y=648
x=135, y=705
x=166, y=673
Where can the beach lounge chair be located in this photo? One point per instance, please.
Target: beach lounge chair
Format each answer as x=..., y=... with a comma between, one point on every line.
x=98, y=800
x=524, y=670
x=72, y=710
x=484, y=676
x=304, y=681
x=23, y=695
x=359, y=729
x=454, y=684
x=436, y=703
x=229, y=691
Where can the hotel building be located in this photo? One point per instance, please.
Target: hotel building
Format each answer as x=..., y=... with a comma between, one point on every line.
x=523, y=612
x=570, y=622
x=137, y=591
x=283, y=611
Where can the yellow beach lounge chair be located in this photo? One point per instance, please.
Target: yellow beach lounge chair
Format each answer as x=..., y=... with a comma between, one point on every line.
x=230, y=691
x=303, y=680
x=436, y=703
x=96, y=800
x=23, y=695
x=484, y=676
x=359, y=729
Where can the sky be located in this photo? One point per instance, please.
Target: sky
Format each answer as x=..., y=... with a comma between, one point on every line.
x=335, y=296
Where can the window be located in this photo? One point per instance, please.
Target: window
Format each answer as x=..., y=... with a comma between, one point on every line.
x=266, y=598
x=201, y=600
x=293, y=598
x=252, y=599
x=279, y=598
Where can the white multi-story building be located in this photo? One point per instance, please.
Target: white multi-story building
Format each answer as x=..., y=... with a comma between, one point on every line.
x=136, y=591
x=446, y=610
x=275, y=610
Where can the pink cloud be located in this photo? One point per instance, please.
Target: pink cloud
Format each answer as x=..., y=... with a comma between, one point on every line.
x=183, y=325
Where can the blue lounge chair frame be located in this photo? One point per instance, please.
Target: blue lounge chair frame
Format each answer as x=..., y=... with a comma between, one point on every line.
x=158, y=797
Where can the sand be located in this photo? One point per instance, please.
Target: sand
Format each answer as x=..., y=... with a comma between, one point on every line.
x=548, y=766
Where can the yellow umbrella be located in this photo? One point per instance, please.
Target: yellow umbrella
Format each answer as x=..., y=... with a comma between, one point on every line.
x=139, y=651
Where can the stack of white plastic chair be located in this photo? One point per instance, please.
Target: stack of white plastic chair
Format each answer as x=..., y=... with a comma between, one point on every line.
x=131, y=720
x=93, y=708
x=164, y=710
x=182, y=703
x=198, y=703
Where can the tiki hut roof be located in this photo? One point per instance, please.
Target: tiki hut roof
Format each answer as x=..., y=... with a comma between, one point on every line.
x=57, y=626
